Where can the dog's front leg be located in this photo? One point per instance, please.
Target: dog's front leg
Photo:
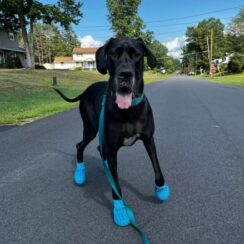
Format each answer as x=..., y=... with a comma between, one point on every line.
x=161, y=189
x=112, y=163
x=119, y=210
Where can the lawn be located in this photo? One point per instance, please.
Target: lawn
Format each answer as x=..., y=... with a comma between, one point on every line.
x=152, y=76
x=236, y=79
x=26, y=95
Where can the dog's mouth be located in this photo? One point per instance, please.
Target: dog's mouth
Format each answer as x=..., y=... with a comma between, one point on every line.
x=124, y=93
x=124, y=96
x=123, y=100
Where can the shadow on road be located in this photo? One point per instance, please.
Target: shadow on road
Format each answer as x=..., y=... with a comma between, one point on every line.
x=97, y=187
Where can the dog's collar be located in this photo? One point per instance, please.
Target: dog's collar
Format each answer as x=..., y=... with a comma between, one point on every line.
x=135, y=101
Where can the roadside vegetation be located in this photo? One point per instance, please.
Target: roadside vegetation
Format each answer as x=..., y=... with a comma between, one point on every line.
x=26, y=95
x=232, y=79
x=210, y=43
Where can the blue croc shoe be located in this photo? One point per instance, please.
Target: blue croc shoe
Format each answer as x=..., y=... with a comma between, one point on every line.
x=121, y=217
x=162, y=192
x=80, y=174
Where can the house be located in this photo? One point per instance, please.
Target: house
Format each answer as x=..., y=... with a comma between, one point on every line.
x=9, y=47
x=222, y=61
x=81, y=57
x=64, y=63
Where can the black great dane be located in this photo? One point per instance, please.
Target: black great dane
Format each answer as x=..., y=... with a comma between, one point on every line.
x=125, y=123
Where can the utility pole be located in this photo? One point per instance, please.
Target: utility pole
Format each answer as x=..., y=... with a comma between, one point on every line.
x=211, y=54
x=208, y=48
x=196, y=66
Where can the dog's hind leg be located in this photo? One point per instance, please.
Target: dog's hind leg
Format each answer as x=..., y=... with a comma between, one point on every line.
x=88, y=135
x=161, y=189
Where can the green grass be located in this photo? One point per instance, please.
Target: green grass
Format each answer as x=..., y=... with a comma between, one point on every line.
x=235, y=79
x=150, y=76
x=26, y=95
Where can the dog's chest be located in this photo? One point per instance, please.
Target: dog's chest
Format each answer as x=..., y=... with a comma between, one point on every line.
x=128, y=141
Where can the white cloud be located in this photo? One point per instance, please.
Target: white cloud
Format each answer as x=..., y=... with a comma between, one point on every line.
x=89, y=41
x=174, y=46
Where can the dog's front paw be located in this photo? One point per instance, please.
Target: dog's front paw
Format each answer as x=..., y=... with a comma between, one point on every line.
x=162, y=192
x=121, y=217
x=80, y=174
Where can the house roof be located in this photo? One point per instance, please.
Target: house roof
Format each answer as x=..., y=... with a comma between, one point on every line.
x=18, y=49
x=86, y=50
x=64, y=59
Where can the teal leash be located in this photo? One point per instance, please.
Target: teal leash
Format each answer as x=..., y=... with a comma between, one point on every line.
x=107, y=171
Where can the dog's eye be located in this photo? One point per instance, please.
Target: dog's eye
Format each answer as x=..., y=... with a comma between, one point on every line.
x=136, y=55
x=113, y=55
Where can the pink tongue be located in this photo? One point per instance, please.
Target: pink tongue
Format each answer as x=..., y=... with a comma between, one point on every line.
x=123, y=101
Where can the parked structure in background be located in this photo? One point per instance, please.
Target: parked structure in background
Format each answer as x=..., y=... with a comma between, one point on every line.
x=81, y=58
x=222, y=61
x=9, y=48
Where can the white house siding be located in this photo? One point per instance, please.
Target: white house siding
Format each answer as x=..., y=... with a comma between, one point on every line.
x=81, y=57
x=89, y=65
x=64, y=65
x=88, y=61
x=84, y=57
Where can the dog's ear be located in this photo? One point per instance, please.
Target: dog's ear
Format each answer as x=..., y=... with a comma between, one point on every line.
x=101, y=57
x=151, y=60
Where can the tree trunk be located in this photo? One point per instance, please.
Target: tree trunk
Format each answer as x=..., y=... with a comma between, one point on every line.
x=32, y=41
x=29, y=54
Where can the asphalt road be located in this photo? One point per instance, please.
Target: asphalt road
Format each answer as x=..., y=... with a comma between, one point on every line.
x=200, y=142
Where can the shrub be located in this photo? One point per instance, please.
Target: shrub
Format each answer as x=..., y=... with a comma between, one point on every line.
x=10, y=62
x=223, y=67
x=13, y=62
x=236, y=64
x=39, y=66
x=17, y=62
x=78, y=68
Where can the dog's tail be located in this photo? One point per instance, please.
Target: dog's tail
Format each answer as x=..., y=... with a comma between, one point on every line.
x=70, y=100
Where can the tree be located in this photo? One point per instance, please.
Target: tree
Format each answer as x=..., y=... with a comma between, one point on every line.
x=236, y=64
x=24, y=14
x=195, y=52
x=125, y=20
x=160, y=52
x=71, y=40
x=49, y=42
x=235, y=33
x=123, y=17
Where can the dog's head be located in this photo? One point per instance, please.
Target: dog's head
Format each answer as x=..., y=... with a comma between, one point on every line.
x=123, y=59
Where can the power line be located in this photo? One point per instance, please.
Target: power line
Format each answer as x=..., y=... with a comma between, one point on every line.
x=172, y=19
x=153, y=26
x=194, y=53
x=161, y=33
x=185, y=23
x=195, y=15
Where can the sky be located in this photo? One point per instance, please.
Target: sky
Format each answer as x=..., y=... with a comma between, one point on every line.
x=168, y=19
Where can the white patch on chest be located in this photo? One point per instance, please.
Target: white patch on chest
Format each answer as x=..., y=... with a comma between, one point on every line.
x=130, y=140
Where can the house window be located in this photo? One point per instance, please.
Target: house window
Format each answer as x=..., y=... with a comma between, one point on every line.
x=11, y=36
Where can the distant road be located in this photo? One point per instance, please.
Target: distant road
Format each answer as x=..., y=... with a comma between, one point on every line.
x=200, y=142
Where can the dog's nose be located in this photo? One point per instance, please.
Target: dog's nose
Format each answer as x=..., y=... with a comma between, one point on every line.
x=126, y=75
